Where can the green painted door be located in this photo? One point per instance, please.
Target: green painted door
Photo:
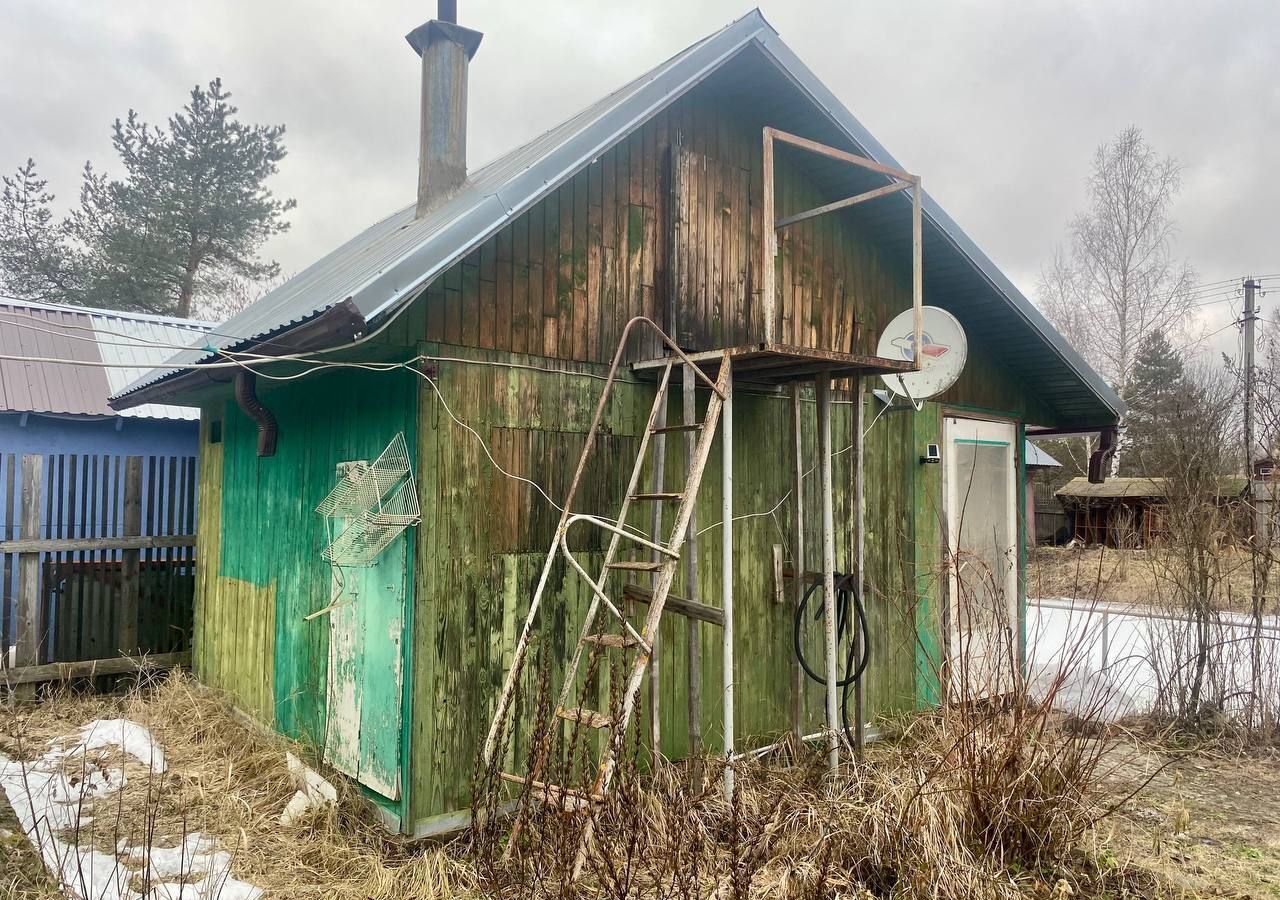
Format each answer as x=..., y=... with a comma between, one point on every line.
x=366, y=634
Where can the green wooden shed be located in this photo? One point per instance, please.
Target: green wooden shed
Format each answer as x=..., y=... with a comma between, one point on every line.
x=728, y=197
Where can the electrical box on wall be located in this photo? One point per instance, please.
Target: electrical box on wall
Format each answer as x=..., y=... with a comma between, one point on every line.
x=931, y=454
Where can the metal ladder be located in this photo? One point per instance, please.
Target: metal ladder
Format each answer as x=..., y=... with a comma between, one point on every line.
x=662, y=565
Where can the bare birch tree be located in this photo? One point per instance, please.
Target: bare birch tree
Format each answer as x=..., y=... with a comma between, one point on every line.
x=1119, y=281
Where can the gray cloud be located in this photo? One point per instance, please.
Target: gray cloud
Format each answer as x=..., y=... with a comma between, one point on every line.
x=998, y=104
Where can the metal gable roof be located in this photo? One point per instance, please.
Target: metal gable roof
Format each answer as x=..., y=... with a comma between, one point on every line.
x=380, y=270
x=109, y=349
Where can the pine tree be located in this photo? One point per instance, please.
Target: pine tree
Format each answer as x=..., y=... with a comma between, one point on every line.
x=1159, y=400
x=184, y=223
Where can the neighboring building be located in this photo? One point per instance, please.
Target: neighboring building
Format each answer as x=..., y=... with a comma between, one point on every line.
x=511, y=290
x=1129, y=512
x=58, y=367
x=1044, y=515
x=60, y=406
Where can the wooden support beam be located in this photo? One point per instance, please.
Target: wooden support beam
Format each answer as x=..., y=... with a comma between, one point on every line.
x=690, y=609
x=842, y=204
x=29, y=632
x=71, y=545
x=823, y=384
x=120, y=665
x=768, y=277
x=823, y=150
x=129, y=577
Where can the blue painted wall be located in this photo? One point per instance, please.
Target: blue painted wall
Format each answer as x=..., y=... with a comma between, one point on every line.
x=134, y=437
x=159, y=441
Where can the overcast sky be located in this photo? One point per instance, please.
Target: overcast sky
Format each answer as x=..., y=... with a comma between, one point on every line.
x=999, y=105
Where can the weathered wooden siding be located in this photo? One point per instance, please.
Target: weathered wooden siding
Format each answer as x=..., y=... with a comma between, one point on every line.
x=234, y=640
x=261, y=538
x=484, y=537
x=563, y=279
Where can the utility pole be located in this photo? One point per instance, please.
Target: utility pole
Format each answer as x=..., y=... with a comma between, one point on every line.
x=1250, y=375
x=1259, y=531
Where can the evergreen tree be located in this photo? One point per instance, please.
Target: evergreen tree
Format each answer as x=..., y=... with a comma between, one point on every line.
x=184, y=223
x=1160, y=401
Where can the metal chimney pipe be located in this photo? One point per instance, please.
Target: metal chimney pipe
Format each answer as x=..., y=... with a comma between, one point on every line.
x=446, y=49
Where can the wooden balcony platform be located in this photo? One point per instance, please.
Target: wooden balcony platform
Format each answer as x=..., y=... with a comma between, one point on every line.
x=773, y=363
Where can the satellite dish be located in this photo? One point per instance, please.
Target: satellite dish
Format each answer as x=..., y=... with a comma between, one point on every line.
x=944, y=351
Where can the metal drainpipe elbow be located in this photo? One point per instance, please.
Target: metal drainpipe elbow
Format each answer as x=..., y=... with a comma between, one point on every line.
x=247, y=400
x=1099, y=459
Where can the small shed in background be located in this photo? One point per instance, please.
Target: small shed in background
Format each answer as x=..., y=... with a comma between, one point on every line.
x=1129, y=512
x=1044, y=515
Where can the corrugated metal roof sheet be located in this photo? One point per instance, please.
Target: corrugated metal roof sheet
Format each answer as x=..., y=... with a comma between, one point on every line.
x=1037, y=457
x=382, y=268
x=114, y=349
x=1148, y=488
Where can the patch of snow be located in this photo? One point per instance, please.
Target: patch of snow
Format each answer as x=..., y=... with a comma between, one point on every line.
x=50, y=799
x=129, y=737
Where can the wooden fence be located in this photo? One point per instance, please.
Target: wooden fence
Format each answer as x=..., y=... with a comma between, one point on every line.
x=98, y=563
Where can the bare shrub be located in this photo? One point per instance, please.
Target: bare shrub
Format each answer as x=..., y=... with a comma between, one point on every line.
x=988, y=796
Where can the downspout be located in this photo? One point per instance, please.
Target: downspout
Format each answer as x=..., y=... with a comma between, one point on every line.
x=251, y=406
x=1098, y=458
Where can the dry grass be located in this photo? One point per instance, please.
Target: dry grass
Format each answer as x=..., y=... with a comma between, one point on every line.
x=1127, y=576
x=231, y=782
x=966, y=803
x=1208, y=825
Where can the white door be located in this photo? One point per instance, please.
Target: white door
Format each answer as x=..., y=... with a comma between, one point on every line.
x=980, y=466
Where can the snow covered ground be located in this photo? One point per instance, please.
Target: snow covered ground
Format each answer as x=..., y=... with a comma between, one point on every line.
x=1112, y=655
x=55, y=795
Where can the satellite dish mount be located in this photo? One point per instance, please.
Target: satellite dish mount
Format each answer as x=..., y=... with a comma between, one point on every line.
x=943, y=352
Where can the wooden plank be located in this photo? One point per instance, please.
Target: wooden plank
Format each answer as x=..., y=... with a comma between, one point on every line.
x=90, y=668
x=690, y=609
x=769, y=251
x=27, y=630
x=843, y=204
x=834, y=153
x=74, y=545
x=129, y=581
x=8, y=463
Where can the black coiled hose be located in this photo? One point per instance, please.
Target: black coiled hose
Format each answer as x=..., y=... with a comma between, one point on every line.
x=846, y=596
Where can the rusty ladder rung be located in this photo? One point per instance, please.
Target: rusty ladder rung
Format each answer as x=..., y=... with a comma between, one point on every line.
x=584, y=716
x=638, y=565
x=619, y=641
x=568, y=799
x=659, y=496
x=668, y=429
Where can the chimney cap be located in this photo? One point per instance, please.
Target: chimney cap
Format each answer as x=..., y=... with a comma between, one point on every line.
x=436, y=30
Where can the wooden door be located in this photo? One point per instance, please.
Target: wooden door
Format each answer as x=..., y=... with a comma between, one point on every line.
x=366, y=678
x=982, y=536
